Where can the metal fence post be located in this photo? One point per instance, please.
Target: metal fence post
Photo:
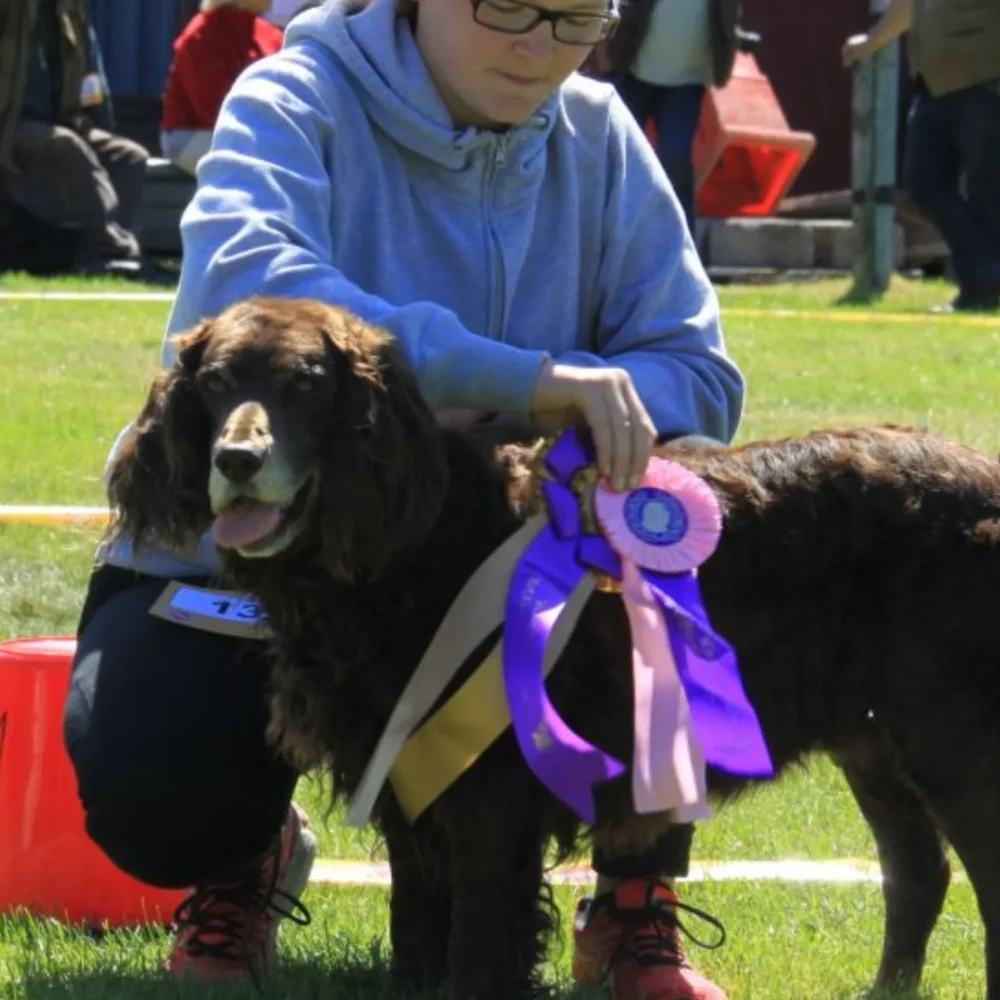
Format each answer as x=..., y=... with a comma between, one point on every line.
x=875, y=123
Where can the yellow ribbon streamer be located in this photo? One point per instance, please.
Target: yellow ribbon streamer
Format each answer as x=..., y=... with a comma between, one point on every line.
x=458, y=734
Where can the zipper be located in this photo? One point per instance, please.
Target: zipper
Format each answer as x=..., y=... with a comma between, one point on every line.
x=496, y=318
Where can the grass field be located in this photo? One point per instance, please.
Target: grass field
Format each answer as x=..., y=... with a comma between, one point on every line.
x=71, y=373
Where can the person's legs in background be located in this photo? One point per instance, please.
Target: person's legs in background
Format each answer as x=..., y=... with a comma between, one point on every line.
x=165, y=726
x=28, y=243
x=933, y=168
x=60, y=179
x=979, y=140
x=677, y=113
x=125, y=164
x=639, y=98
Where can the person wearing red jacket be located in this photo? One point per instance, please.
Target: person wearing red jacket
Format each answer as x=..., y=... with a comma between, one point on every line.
x=217, y=44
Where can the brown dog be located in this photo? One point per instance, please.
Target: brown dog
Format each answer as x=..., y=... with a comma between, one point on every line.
x=857, y=579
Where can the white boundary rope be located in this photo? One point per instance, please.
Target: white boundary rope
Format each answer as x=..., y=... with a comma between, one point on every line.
x=832, y=315
x=846, y=872
x=54, y=516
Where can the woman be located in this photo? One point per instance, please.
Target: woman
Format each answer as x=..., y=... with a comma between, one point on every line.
x=216, y=45
x=442, y=171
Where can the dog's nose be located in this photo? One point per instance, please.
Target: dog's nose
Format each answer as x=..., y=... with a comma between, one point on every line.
x=239, y=462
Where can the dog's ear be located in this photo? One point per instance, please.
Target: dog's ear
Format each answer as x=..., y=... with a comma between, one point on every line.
x=384, y=473
x=158, y=481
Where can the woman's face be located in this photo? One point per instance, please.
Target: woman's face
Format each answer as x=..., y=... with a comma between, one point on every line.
x=487, y=77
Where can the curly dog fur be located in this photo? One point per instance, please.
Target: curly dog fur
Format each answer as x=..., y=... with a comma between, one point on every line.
x=857, y=579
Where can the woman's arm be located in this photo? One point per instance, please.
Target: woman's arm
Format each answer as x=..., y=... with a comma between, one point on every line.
x=897, y=19
x=659, y=315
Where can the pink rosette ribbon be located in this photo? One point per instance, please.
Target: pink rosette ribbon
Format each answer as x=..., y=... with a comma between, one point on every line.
x=690, y=706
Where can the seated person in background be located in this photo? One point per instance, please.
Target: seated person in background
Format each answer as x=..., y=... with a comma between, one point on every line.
x=97, y=97
x=218, y=43
x=55, y=162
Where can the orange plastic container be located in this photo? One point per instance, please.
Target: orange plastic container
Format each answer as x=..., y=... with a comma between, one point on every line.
x=48, y=865
x=745, y=156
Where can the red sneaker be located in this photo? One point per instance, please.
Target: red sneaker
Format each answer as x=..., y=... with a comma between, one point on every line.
x=630, y=941
x=225, y=932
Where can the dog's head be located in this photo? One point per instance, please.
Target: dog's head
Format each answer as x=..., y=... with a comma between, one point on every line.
x=284, y=423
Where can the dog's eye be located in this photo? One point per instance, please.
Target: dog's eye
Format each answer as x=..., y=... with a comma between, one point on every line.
x=213, y=382
x=308, y=379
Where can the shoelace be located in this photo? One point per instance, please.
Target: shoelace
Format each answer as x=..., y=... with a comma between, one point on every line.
x=651, y=932
x=230, y=914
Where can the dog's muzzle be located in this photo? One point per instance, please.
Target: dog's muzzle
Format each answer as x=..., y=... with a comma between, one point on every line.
x=239, y=463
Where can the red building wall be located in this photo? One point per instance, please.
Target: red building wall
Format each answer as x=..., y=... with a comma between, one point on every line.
x=800, y=53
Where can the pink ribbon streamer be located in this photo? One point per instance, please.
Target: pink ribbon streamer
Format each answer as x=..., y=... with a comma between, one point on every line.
x=668, y=766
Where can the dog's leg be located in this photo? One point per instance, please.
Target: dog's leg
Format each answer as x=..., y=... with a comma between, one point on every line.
x=914, y=869
x=501, y=914
x=420, y=907
x=968, y=810
x=980, y=853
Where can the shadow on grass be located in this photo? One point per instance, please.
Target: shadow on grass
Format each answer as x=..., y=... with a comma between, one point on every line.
x=319, y=980
x=888, y=995
x=858, y=296
x=300, y=982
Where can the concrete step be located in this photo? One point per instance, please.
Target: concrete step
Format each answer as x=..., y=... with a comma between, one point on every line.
x=165, y=194
x=783, y=244
x=731, y=246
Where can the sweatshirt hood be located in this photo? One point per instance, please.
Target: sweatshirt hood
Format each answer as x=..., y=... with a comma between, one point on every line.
x=376, y=48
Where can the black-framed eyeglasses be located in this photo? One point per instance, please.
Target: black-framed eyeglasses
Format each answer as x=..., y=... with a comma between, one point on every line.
x=571, y=27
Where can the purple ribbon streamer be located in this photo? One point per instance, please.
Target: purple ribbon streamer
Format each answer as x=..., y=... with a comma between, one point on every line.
x=725, y=721
x=545, y=577
x=565, y=763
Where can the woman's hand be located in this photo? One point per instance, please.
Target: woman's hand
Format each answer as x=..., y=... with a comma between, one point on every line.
x=856, y=48
x=605, y=400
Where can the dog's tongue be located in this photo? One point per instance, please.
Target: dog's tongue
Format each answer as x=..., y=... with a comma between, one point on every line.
x=237, y=527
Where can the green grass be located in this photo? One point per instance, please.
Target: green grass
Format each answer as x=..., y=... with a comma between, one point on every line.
x=905, y=296
x=74, y=373
x=26, y=283
x=786, y=943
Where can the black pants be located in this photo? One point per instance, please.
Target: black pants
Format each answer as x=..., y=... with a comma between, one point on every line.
x=28, y=243
x=91, y=181
x=676, y=112
x=165, y=727
x=947, y=137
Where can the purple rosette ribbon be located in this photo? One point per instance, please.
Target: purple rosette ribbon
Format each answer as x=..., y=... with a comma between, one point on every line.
x=555, y=564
